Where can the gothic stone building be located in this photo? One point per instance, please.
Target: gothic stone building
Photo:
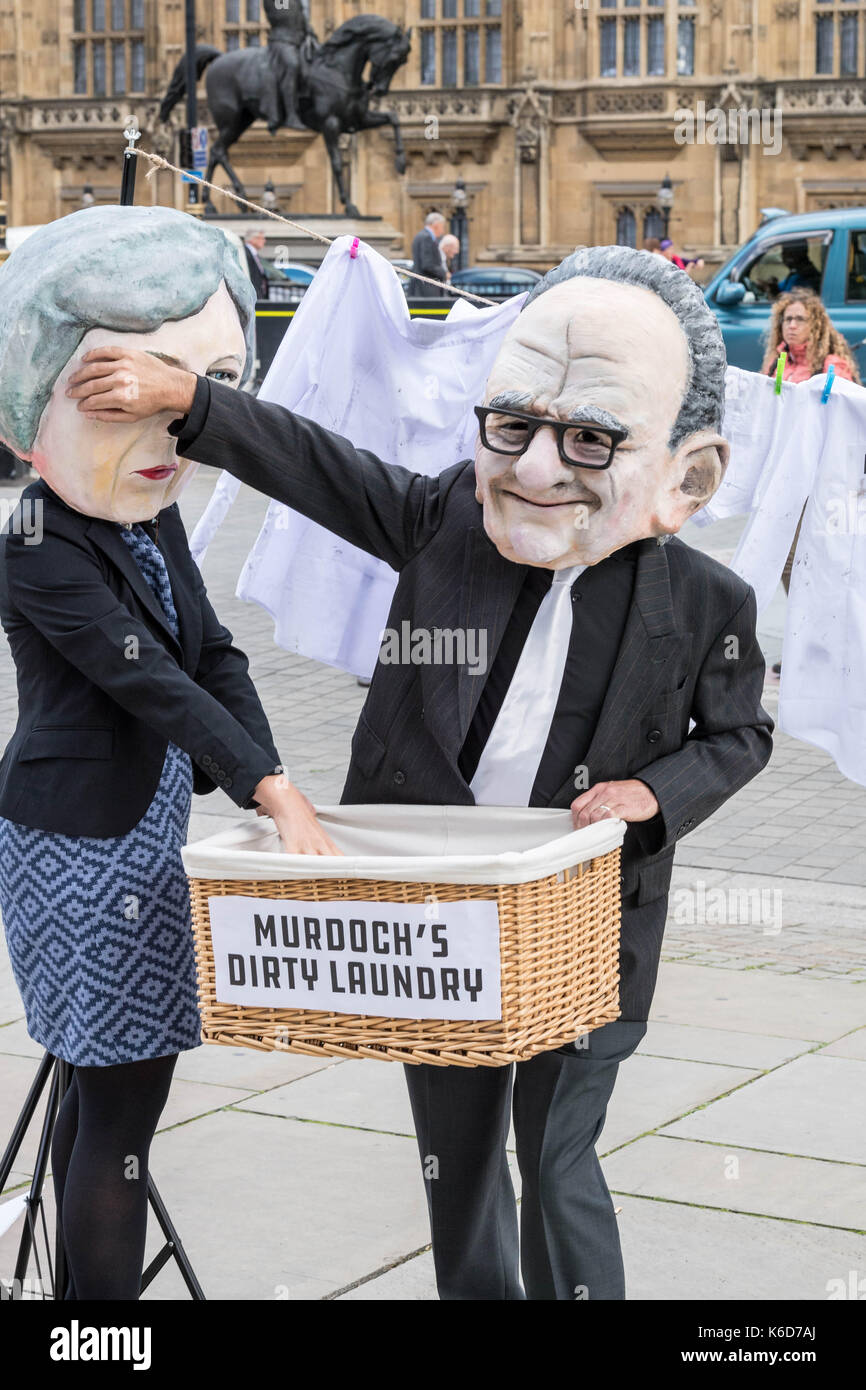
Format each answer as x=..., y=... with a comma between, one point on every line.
x=562, y=117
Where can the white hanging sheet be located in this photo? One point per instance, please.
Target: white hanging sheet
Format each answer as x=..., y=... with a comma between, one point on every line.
x=354, y=361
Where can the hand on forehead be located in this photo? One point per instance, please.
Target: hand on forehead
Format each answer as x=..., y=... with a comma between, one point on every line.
x=596, y=342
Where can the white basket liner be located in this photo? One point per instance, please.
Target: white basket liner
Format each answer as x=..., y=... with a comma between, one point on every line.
x=419, y=844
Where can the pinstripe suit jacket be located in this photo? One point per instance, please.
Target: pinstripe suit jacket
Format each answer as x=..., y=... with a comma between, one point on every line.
x=688, y=652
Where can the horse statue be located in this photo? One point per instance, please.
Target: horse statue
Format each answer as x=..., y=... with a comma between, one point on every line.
x=332, y=94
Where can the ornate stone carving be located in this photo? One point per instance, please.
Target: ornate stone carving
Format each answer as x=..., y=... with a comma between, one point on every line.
x=823, y=96
x=529, y=113
x=787, y=9
x=621, y=102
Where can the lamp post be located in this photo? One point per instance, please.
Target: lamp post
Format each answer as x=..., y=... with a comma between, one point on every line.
x=4, y=249
x=665, y=199
x=87, y=196
x=460, y=222
x=194, y=203
x=269, y=195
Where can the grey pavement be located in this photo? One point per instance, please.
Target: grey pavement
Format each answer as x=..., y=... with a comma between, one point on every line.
x=735, y=1143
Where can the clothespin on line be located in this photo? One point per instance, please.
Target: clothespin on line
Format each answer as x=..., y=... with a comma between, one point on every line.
x=353, y=249
x=780, y=371
x=828, y=384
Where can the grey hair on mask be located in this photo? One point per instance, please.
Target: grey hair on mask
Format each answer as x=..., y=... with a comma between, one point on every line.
x=704, y=396
x=128, y=269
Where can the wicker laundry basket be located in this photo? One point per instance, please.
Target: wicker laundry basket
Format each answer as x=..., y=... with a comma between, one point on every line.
x=555, y=947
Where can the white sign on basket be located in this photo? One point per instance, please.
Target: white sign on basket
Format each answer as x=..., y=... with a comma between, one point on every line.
x=392, y=960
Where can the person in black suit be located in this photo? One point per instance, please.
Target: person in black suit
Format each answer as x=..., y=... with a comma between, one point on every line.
x=427, y=259
x=131, y=695
x=624, y=680
x=253, y=247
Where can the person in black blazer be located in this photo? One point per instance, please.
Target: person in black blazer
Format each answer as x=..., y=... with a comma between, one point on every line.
x=131, y=695
x=253, y=247
x=427, y=258
x=588, y=461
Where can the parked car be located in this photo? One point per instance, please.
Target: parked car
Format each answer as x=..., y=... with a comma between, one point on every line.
x=495, y=281
x=288, y=280
x=823, y=251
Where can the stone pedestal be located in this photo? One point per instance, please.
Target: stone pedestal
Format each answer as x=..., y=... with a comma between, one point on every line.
x=383, y=236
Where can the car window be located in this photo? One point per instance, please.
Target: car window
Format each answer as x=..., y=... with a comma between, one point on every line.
x=856, y=284
x=796, y=263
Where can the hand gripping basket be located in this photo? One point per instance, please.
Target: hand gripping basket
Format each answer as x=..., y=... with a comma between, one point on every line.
x=505, y=911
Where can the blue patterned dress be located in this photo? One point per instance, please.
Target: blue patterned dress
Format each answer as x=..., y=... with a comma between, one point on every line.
x=99, y=930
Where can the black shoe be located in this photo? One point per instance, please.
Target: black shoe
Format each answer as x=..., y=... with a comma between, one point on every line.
x=777, y=668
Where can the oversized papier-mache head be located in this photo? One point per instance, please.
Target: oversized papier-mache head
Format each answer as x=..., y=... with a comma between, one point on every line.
x=147, y=278
x=620, y=347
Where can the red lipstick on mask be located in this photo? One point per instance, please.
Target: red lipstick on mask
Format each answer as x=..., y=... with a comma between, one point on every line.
x=158, y=474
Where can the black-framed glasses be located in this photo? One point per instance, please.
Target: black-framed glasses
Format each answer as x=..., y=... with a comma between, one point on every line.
x=581, y=443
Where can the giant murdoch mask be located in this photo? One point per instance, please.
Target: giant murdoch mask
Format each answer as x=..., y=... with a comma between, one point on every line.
x=146, y=278
x=620, y=346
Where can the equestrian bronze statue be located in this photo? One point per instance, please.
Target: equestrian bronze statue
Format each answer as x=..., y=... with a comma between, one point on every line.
x=299, y=83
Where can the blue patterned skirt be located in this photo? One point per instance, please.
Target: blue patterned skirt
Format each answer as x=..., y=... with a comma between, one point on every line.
x=99, y=932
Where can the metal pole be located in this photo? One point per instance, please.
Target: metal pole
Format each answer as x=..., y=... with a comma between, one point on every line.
x=4, y=250
x=193, y=201
x=127, y=182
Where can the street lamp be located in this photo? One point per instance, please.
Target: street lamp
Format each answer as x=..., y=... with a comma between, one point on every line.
x=4, y=249
x=460, y=222
x=195, y=204
x=665, y=200
x=269, y=196
x=87, y=198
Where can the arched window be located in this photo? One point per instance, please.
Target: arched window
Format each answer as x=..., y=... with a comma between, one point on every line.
x=653, y=224
x=626, y=228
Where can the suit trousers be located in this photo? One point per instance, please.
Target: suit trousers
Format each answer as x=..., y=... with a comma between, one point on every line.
x=569, y=1243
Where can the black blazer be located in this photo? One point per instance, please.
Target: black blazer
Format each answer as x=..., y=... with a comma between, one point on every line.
x=260, y=281
x=688, y=652
x=104, y=686
x=427, y=260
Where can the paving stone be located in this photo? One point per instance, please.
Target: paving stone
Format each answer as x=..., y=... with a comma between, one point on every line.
x=304, y=1209
x=367, y=1094
x=752, y=1050
x=676, y=1253
x=15, y=1038
x=244, y=1067
x=811, y=1106
x=738, y=1179
x=650, y=1091
x=745, y=1000
x=852, y=1045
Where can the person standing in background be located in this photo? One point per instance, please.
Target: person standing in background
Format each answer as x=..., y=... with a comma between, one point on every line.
x=427, y=256
x=800, y=327
x=687, y=263
x=450, y=248
x=253, y=247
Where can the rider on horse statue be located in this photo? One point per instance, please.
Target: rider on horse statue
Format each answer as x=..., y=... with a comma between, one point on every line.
x=290, y=29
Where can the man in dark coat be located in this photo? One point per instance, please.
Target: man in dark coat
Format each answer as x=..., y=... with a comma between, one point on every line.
x=253, y=247
x=427, y=258
x=624, y=679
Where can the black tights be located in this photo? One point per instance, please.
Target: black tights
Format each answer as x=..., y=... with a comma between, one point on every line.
x=99, y=1157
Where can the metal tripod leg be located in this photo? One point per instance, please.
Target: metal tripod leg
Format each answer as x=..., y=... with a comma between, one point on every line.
x=60, y=1081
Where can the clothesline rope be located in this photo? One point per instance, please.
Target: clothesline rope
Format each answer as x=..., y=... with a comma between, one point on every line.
x=159, y=163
